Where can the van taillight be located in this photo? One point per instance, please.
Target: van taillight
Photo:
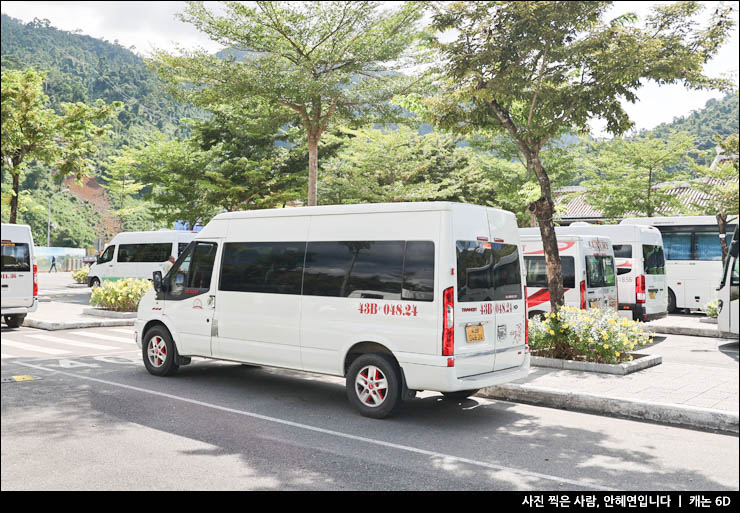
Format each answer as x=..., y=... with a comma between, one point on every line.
x=640, y=288
x=448, y=322
x=526, y=319
x=583, y=295
x=35, y=280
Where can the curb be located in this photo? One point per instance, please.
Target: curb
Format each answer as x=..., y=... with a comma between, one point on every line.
x=68, y=325
x=110, y=314
x=687, y=416
x=642, y=361
x=691, y=332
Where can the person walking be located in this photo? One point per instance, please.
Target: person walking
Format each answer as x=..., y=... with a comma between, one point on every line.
x=53, y=264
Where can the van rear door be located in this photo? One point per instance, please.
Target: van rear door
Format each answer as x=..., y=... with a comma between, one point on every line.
x=17, y=274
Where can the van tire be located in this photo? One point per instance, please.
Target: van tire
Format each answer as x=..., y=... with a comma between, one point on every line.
x=161, y=345
x=671, y=302
x=389, y=375
x=460, y=395
x=14, y=321
x=94, y=282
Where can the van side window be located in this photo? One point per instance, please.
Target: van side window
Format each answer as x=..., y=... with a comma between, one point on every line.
x=622, y=250
x=192, y=272
x=418, y=271
x=362, y=269
x=107, y=255
x=144, y=252
x=268, y=267
x=537, y=271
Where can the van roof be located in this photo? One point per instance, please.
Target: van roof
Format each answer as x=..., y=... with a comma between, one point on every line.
x=351, y=209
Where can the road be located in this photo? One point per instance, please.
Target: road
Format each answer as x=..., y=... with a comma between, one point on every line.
x=92, y=418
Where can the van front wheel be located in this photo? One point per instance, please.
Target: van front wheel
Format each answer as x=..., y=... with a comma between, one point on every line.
x=374, y=385
x=159, y=352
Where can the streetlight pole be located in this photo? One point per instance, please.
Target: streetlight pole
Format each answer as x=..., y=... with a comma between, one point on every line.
x=48, y=222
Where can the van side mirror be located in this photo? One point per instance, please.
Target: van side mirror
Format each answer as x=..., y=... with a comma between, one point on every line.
x=157, y=281
x=734, y=248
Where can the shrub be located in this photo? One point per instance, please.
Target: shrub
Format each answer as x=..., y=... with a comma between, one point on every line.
x=711, y=309
x=121, y=295
x=592, y=335
x=80, y=275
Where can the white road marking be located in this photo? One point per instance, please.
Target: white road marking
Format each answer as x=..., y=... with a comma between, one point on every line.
x=30, y=347
x=105, y=337
x=123, y=330
x=59, y=340
x=4, y=356
x=406, y=448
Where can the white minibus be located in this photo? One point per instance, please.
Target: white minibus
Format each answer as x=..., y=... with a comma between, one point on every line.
x=693, y=255
x=589, y=275
x=640, y=263
x=137, y=255
x=396, y=298
x=729, y=292
x=19, y=274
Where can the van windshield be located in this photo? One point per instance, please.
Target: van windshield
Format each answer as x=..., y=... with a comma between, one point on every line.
x=653, y=259
x=16, y=257
x=600, y=271
x=487, y=271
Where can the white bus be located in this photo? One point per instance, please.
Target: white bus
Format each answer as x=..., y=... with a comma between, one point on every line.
x=396, y=298
x=137, y=255
x=587, y=263
x=20, y=287
x=693, y=254
x=640, y=263
x=729, y=292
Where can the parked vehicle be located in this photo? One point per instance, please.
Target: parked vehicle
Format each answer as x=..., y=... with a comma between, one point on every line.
x=693, y=256
x=589, y=275
x=396, y=298
x=19, y=274
x=137, y=255
x=640, y=263
x=729, y=291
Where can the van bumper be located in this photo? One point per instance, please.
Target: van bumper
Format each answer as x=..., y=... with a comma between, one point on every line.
x=16, y=310
x=639, y=314
x=441, y=378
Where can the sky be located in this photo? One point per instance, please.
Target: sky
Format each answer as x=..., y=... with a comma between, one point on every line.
x=148, y=25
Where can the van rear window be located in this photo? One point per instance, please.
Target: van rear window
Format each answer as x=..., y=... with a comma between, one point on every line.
x=15, y=257
x=487, y=271
x=600, y=271
x=653, y=259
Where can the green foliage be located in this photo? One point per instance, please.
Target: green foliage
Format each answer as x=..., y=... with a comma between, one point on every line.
x=594, y=335
x=711, y=309
x=632, y=176
x=120, y=295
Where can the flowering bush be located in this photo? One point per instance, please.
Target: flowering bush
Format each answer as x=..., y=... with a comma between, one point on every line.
x=591, y=335
x=711, y=309
x=80, y=275
x=121, y=295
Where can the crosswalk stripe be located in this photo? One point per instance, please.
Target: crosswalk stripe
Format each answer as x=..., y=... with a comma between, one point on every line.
x=68, y=342
x=122, y=330
x=105, y=337
x=30, y=347
x=4, y=356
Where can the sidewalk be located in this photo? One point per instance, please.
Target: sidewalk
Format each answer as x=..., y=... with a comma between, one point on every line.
x=695, y=386
x=684, y=324
x=63, y=316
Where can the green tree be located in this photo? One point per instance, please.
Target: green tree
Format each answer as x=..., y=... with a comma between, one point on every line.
x=311, y=62
x=538, y=70
x=633, y=177
x=31, y=132
x=718, y=184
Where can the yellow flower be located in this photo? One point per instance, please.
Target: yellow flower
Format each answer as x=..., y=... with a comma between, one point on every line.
x=606, y=346
x=552, y=332
x=616, y=354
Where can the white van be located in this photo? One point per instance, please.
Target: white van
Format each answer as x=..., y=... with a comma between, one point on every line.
x=640, y=262
x=395, y=297
x=589, y=275
x=20, y=289
x=137, y=255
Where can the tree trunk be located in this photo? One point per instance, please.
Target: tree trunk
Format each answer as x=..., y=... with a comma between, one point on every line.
x=722, y=225
x=14, y=199
x=313, y=167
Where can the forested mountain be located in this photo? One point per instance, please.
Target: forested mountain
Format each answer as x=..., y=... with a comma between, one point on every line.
x=718, y=117
x=82, y=68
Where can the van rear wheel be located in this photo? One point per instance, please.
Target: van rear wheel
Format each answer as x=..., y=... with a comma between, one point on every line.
x=374, y=385
x=14, y=321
